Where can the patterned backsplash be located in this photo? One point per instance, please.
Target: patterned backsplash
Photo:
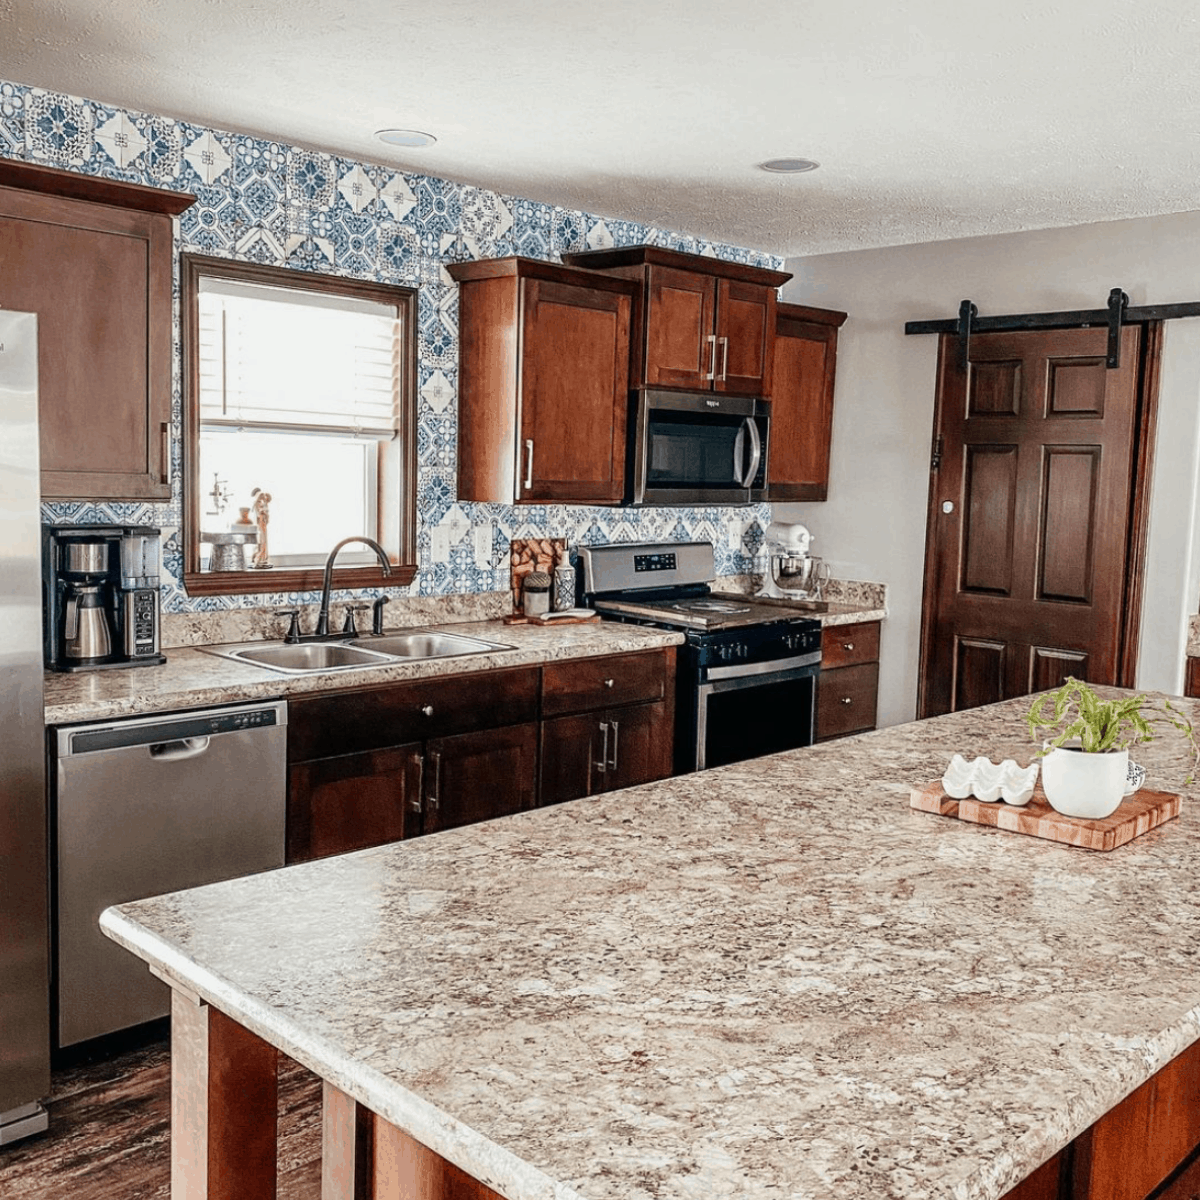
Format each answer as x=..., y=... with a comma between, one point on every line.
x=267, y=202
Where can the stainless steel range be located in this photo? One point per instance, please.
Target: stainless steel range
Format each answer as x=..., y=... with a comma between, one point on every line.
x=748, y=671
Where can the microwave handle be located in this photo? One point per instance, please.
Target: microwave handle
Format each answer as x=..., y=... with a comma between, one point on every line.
x=755, y=451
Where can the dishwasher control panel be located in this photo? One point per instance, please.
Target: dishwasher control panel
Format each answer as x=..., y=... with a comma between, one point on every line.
x=115, y=734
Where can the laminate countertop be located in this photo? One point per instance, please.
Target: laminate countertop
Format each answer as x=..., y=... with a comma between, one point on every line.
x=768, y=980
x=193, y=678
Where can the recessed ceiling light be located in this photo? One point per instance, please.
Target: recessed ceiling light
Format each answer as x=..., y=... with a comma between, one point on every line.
x=789, y=166
x=405, y=137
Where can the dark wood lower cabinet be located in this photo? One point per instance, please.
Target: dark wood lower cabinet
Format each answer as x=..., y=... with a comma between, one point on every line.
x=589, y=753
x=1191, y=685
x=478, y=776
x=346, y=803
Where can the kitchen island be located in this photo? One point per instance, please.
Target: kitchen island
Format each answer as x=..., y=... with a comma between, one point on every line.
x=769, y=980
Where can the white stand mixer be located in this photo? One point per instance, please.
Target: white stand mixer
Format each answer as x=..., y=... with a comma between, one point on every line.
x=792, y=573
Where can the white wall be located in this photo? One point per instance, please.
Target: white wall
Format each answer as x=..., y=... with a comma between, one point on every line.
x=873, y=524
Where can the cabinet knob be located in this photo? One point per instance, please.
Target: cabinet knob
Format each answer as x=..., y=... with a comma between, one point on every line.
x=847, y=700
x=847, y=645
x=427, y=709
x=608, y=683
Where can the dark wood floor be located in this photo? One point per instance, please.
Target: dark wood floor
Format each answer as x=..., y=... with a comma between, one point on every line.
x=109, y=1126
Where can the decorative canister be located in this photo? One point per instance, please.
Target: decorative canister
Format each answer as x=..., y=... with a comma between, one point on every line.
x=564, y=584
x=536, y=594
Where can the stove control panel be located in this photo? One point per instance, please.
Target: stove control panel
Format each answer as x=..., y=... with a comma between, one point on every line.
x=654, y=562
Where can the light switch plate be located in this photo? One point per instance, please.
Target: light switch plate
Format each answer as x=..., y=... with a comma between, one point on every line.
x=439, y=544
x=483, y=545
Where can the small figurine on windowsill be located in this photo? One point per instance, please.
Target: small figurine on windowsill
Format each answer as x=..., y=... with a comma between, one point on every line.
x=262, y=516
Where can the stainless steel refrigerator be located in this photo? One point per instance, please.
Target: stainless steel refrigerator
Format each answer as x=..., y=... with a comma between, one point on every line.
x=24, y=877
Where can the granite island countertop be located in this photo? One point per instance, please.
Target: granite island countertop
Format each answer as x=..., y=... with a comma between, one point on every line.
x=767, y=980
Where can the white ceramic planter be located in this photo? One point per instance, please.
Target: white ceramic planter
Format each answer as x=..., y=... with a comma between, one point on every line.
x=1085, y=785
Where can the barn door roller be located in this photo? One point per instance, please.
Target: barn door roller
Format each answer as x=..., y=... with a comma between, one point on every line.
x=1117, y=312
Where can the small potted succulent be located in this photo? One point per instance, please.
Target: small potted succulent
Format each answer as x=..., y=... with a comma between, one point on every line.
x=1087, y=758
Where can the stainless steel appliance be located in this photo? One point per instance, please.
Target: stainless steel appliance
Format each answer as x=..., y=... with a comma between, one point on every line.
x=792, y=573
x=24, y=920
x=146, y=806
x=699, y=448
x=102, y=596
x=747, y=673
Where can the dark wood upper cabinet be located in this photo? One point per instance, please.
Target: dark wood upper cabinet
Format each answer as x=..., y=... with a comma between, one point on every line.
x=700, y=323
x=543, y=382
x=802, y=401
x=93, y=259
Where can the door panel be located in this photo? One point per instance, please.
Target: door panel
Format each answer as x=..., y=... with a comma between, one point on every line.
x=1025, y=576
x=746, y=322
x=989, y=518
x=1048, y=668
x=1070, y=482
x=979, y=673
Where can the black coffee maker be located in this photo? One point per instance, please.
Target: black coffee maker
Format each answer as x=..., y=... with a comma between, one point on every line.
x=100, y=596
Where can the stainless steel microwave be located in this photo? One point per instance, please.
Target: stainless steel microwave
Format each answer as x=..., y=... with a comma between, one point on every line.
x=699, y=448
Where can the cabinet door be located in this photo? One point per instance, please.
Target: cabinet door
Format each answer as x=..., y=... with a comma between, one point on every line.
x=640, y=745
x=745, y=338
x=601, y=751
x=574, y=393
x=346, y=803
x=99, y=279
x=802, y=405
x=476, y=776
x=680, y=338
x=571, y=763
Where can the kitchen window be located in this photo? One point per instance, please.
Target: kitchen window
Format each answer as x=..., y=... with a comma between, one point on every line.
x=299, y=396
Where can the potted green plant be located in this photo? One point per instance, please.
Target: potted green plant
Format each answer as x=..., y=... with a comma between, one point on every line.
x=1087, y=758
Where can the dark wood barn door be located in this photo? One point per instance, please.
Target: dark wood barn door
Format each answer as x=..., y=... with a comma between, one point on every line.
x=1033, y=542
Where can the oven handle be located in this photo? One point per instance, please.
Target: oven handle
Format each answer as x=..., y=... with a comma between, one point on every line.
x=755, y=452
x=786, y=668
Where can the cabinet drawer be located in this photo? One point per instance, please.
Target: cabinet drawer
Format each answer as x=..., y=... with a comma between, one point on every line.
x=847, y=645
x=370, y=718
x=588, y=683
x=846, y=700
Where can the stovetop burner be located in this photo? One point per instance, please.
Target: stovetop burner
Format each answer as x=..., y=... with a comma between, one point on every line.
x=713, y=606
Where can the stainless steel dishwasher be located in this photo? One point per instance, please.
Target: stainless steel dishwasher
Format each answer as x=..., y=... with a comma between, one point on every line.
x=151, y=805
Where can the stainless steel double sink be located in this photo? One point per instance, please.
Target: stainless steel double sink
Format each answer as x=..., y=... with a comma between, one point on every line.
x=386, y=650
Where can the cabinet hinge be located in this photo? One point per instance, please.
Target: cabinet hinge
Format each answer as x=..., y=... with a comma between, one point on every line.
x=935, y=460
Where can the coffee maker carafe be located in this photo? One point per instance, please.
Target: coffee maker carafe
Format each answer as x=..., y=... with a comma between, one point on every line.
x=101, y=596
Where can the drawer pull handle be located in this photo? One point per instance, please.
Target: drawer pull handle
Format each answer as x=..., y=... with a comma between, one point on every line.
x=602, y=765
x=847, y=700
x=608, y=683
x=427, y=709
x=847, y=645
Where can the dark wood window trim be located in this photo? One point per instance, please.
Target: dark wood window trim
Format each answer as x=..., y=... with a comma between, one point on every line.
x=307, y=579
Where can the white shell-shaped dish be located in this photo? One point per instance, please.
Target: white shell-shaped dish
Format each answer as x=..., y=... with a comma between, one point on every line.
x=989, y=781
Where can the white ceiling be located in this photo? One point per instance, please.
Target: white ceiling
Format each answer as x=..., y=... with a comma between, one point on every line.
x=932, y=119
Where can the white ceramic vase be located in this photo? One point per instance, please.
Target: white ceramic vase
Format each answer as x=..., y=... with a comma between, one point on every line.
x=1078, y=784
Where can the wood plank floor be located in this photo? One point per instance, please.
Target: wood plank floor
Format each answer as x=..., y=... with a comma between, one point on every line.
x=109, y=1127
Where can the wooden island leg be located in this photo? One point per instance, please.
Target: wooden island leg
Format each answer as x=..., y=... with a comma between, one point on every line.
x=363, y=1157
x=224, y=1098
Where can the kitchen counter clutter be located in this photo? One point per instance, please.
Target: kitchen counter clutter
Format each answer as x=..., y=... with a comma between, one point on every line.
x=770, y=979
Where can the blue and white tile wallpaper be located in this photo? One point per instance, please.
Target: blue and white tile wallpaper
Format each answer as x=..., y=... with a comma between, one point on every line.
x=265, y=201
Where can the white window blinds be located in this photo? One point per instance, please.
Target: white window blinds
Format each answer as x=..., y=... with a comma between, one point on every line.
x=297, y=360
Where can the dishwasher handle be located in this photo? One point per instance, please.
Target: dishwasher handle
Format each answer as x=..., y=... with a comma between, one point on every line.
x=191, y=747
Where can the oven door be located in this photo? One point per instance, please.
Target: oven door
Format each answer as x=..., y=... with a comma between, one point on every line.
x=749, y=716
x=697, y=448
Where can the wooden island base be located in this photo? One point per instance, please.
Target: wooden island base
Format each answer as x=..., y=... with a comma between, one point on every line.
x=223, y=1137
x=223, y=1125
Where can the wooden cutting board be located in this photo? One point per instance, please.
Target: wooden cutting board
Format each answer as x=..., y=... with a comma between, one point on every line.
x=1137, y=814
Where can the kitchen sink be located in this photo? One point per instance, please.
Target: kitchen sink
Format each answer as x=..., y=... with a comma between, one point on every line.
x=423, y=644
x=316, y=658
